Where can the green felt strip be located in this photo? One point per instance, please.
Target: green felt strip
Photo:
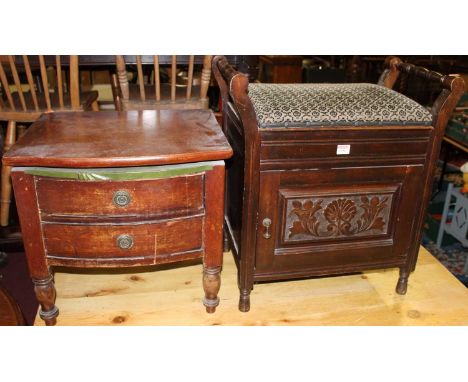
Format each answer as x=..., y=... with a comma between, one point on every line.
x=123, y=173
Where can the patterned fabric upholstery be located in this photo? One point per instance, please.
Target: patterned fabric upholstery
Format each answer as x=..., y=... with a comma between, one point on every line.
x=302, y=105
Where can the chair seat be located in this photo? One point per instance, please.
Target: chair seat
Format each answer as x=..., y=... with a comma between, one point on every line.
x=358, y=104
x=30, y=115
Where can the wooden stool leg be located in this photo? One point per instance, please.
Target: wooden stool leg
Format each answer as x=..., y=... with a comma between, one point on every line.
x=95, y=106
x=226, y=244
x=45, y=294
x=244, y=300
x=402, y=284
x=211, y=285
x=5, y=201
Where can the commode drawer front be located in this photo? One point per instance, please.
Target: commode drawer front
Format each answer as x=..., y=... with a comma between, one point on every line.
x=59, y=197
x=161, y=241
x=336, y=220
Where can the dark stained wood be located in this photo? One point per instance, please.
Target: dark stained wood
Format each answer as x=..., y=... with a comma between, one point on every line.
x=162, y=241
x=280, y=69
x=103, y=139
x=121, y=221
x=70, y=197
x=279, y=178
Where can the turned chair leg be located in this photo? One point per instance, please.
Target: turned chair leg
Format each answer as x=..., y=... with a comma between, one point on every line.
x=45, y=294
x=5, y=200
x=211, y=285
x=402, y=284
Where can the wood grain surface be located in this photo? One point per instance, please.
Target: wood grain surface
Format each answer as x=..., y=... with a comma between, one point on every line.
x=172, y=297
x=120, y=139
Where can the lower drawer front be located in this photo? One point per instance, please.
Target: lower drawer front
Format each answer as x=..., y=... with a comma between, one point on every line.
x=158, y=240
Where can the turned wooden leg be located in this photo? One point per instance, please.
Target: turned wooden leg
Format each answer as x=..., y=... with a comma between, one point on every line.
x=402, y=284
x=45, y=294
x=226, y=244
x=213, y=258
x=21, y=130
x=5, y=200
x=244, y=300
x=211, y=285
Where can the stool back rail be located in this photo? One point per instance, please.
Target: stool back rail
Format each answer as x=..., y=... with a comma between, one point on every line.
x=267, y=159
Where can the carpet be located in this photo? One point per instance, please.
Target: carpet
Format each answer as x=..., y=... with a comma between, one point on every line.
x=451, y=254
x=14, y=277
x=452, y=257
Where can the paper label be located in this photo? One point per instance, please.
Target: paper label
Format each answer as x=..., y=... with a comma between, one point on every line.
x=343, y=149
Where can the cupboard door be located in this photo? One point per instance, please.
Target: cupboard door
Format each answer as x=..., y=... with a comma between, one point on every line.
x=336, y=220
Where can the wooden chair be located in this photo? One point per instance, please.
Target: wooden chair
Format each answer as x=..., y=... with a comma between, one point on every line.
x=28, y=92
x=160, y=95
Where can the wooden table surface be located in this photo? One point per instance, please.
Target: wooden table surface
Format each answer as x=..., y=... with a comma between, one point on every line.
x=119, y=139
x=172, y=297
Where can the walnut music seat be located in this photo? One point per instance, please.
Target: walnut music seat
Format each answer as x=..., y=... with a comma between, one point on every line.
x=329, y=178
x=118, y=189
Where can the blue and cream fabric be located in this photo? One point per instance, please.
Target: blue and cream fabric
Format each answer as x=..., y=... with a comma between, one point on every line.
x=358, y=104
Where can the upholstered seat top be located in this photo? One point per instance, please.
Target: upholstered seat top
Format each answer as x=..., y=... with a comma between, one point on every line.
x=303, y=105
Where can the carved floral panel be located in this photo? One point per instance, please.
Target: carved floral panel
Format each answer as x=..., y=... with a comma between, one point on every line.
x=336, y=216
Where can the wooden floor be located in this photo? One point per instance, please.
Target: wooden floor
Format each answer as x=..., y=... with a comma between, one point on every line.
x=173, y=297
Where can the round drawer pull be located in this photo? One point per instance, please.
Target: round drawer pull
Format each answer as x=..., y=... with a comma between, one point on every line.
x=125, y=241
x=121, y=198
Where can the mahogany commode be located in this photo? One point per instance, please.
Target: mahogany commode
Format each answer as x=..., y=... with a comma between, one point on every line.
x=118, y=189
x=328, y=178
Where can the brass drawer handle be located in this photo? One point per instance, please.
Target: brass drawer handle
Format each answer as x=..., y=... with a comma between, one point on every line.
x=125, y=241
x=266, y=223
x=121, y=198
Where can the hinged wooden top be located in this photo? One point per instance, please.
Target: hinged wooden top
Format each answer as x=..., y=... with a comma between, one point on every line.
x=119, y=139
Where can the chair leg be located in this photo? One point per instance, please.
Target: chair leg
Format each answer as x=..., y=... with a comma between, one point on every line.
x=5, y=200
x=20, y=130
x=95, y=106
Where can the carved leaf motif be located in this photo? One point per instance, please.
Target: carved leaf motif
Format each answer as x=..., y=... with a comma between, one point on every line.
x=378, y=224
x=296, y=228
x=340, y=215
x=370, y=219
x=340, y=210
x=296, y=204
x=307, y=223
x=308, y=205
